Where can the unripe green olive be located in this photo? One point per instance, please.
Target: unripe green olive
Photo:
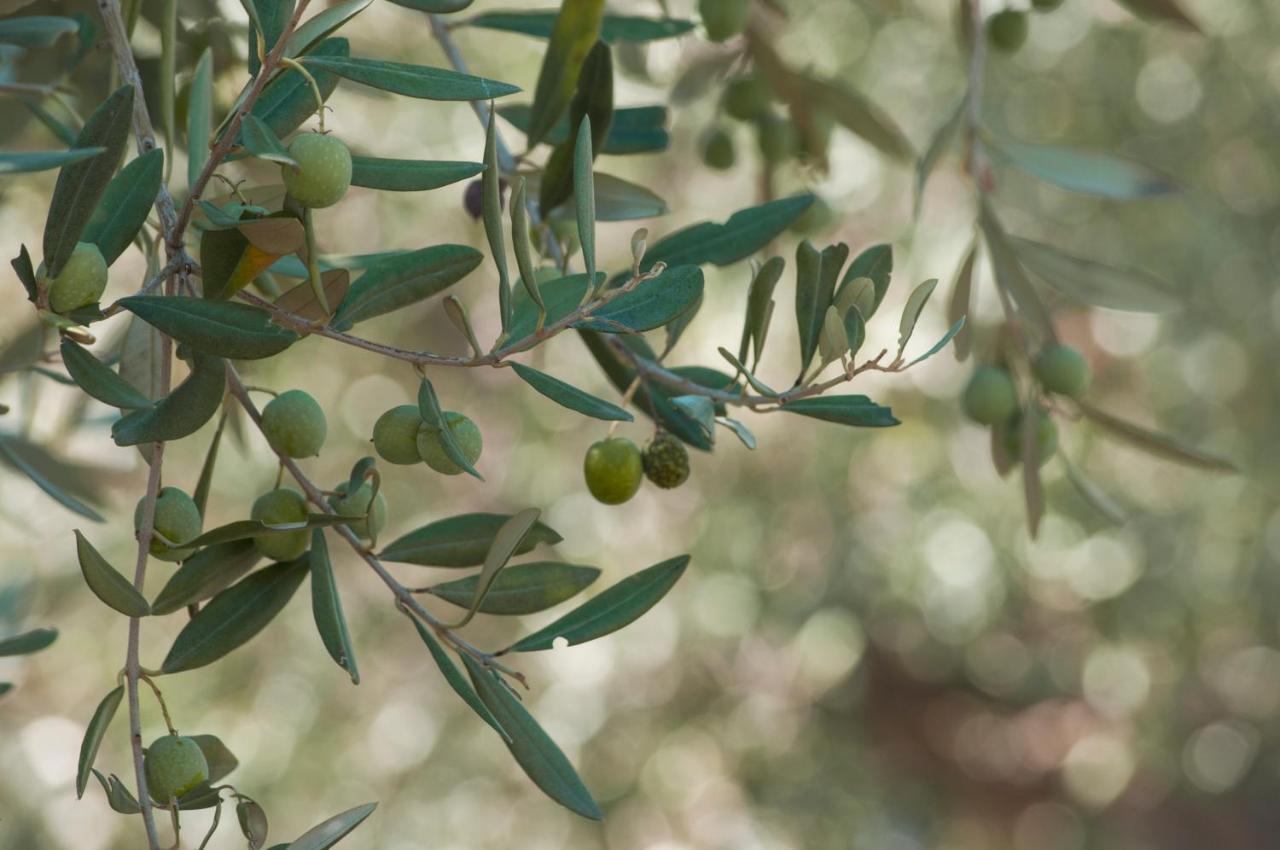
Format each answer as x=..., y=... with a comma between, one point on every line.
x=724, y=19
x=717, y=150
x=323, y=174
x=395, y=435
x=173, y=766
x=990, y=396
x=465, y=434
x=1045, y=5
x=613, y=469
x=1063, y=370
x=294, y=424
x=747, y=98
x=666, y=461
x=177, y=519
x=1007, y=30
x=279, y=507
x=1046, y=436
x=777, y=138
x=371, y=521
x=80, y=282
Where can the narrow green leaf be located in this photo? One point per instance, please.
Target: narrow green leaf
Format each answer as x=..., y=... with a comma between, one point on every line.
x=243, y=529
x=816, y=274
x=1095, y=283
x=435, y=7
x=330, y=832
x=320, y=25
x=410, y=80
x=577, y=27
x=491, y=209
x=460, y=541
x=403, y=279
x=205, y=574
x=10, y=452
x=1088, y=172
x=755, y=325
x=652, y=304
x=524, y=247
x=858, y=115
x=613, y=28
x=253, y=822
x=584, y=196
x=25, y=271
x=220, y=328
x=744, y=233
x=409, y=175
x=262, y=142
x=961, y=303
x=125, y=204
x=942, y=343
x=326, y=608
x=1010, y=275
x=107, y=583
x=636, y=129
x=119, y=798
x=570, y=396
x=268, y=17
x=168, y=77
x=522, y=589
x=24, y=162
x=833, y=340
x=27, y=642
x=505, y=543
x=856, y=410
x=875, y=264
x=757, y=384
x=219, y=757
x=1093, y=495
x=80, y=184
x=1155, y=443
x=741, y=431
x=35, y=30
x=1161, y=10
x=911, y=311
x=97, y=379
x=93, y=737
x=456, y=680
x=938, y=144
x=288, y=100
x=234, y=616
x=533, y=750
x=199, y=117
x=593, y=98
x=560, y=297
x=605, y=613
x=615, y=199
x=433, y=417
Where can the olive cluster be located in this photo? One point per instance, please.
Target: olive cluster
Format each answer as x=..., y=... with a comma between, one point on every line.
x=991, y=398
x=614, y=467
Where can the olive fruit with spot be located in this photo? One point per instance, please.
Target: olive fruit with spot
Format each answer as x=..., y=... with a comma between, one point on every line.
x=465, y=434
x=370, y=519
x=395, y=435
x=294, y=424
x=990, y=397
x=177, y=519
x=613, y=469
x=666, y=461
x=81, y=280
x=323, y=173
x=279, y=507
x=1063, y=370
x=174, y=765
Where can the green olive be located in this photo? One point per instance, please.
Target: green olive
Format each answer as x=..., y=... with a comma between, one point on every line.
x=177, y=519
x=465, y=434
x=613, y=469
x=173, y=766
x=80, y=282
x=990, y=396
x=323, y=173
x=1046, y=436
x=371, y=521
x=294, y=424
x=1063, y=370
x=724, y=19
x=395, y=435
x=279, y=507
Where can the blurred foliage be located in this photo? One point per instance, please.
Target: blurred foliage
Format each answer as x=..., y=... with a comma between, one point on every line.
x=867, y=652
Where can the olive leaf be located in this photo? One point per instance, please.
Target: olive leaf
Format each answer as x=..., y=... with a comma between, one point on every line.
x=856, y=410
x=816, y=275
x=433, y=417
x=205, y=574
x=760, y=304
x=220, y=328
x=417, y=81
x=520, y=589
x=506, y=541
x=570, y=396
x=326, y=607
x=288, y=99
x=740, y=236
x=875, y=264
x=961, y=303
x=125, y=205
x=619, y=28
x=577, y=27
x=454, y=677
x=652, y=304
x=106, y=581
x=409, y=175
x=332, y=830
x=93, y=736
x=491, y=210
x=97, y=379
x=911, y=312
x=27, y=642
x=460, y=541
x=199, y=117
x=401, y=279
x=180, y=413
x=322, y=24
x=637, y=129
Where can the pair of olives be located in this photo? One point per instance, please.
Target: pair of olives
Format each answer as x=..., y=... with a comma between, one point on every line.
x=401, y=436
x=284, y=506
x=1007, y=29
x=613, y=467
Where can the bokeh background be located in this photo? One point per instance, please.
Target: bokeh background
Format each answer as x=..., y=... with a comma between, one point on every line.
x=868, y=651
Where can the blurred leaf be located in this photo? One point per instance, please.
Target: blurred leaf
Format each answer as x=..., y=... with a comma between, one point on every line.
x=320, y=25
x=25, y=162
x=1095, y=283
x=816, y=273
x=615, y=199
x=637, y=129
x=570, y=396
x=650, y=305
x=456, y=680
x=253, y=822
x=1010, y=275
x=205, y=574
x=961, y=303
x=287, y=100
x=612, y=28
x=220, y=328
x=35, y=30
x=938, y=145
x=22, y=460
x=533, y=750
x=262, y=142
x=876, y=264
x=234, y=616
x=744, y=233
x=107, y=583
x=93, y=737
x=1164, y=10
x=433, y=417
x=27, y=642
x=199, y=117
x=409, y=175
x=605, y=613
x=1092, y=173
x=460, y=541
x=326, y=608
x=521, y=589
x=97, y=380
x=125, y=204
x=1093, y=495
x=435, y=7
x=330, y=832
x=403, y=279
x=140, y=358
x=119, y=798
x=592, y=102
x=1156, y=444
x=856, y=410
x=577, y=28
x=911, y=312
x=410, y=80
x=860, y=116
x=55, y=126
x=942, y=343
x=80, y=184
x=23, y=348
